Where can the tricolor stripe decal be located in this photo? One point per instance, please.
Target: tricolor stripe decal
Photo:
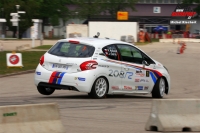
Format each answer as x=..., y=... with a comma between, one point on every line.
x=56, y=77
x=154, y=78
x=154, y=74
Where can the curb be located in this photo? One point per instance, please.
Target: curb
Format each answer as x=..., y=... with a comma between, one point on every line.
x=18, y=73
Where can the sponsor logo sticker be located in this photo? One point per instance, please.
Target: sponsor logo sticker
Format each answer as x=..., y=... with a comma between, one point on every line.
x=115, y=87
x=38, y=73
x=147, y=73
x=142, y=80
x=81, y=79
x=146, y=88
x=140, y=87
x=127, y=87
x=137, y=80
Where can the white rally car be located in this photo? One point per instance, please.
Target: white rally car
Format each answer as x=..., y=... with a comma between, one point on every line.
x=100, y=67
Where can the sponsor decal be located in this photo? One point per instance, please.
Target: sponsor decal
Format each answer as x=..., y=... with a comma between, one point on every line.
x=140, y=87
x=96, y=53
x=137, y=80
x=139, y=73
x=115, y=87
x=38, y=73
x=147, y=73
x=56, y=77
x=127, y=87
x=142, y=80
x=10, y=114
x=110, y=52
x=103, y=66
x=78, y=70
x=154, y=73
x=94, y=58
x=184, y=11
x=147, y=80
x=75, y=78
x=121, y=74
x=146, y=88
x=81, y=79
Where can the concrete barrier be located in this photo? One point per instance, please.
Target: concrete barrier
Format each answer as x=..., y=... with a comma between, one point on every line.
x=23, y=47
x=179, y=39
x=174, y=115
x=32, y=118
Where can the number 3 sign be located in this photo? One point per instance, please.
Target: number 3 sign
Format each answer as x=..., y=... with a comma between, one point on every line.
x=14, y=60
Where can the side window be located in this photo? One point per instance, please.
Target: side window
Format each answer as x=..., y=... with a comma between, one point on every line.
x=130, y=54
x=111, y=52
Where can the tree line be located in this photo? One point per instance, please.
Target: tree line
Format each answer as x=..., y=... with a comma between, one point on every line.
x=51, y=11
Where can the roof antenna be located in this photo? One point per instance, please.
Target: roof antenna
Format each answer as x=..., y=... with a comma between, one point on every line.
x=97, y=36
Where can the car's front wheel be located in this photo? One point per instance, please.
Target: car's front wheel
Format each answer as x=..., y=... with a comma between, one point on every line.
x=99, y=88
x=45, y=90
x=159, y=89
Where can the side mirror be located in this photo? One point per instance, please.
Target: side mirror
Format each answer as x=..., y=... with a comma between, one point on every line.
x=145, y=63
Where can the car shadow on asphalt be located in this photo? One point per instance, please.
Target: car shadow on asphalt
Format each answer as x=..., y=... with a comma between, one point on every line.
x=107, y=97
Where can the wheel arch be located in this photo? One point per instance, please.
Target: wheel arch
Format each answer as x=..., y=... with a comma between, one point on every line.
x=167, y=84
x=104, y=76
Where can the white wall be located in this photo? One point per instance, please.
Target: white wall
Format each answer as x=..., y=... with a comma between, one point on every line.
x=113, y=30
x=78, y=28
x=195, y=26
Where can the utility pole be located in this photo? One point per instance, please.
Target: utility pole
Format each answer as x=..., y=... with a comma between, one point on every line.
x=18, y=6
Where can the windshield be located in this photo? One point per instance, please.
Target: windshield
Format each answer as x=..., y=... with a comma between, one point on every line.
x=67, y=49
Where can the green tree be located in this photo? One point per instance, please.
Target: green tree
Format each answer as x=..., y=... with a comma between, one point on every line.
x=113, y=6
x=50, y=11
x=29, y=6
x=197, y=8
x=90, y=8
x=87, y=8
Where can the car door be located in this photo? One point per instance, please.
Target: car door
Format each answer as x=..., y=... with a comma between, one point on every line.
x=114, y=70
x=136, y=76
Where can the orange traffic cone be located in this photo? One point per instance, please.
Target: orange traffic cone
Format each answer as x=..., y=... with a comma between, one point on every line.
x=182, y=47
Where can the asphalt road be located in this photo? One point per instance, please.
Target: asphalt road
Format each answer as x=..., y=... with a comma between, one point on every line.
x=115, y=114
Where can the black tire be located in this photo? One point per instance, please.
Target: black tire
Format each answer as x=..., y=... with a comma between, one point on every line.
x=45, y=91
x=99, y=90
x=159, y=88
x=90, y=94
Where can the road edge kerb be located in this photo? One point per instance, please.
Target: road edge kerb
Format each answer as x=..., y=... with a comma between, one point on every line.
x=18, y=73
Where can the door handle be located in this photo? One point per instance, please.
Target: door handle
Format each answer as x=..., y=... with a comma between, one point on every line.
x=126, y=68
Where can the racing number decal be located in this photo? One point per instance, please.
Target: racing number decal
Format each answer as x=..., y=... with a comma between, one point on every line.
x=120, y=74
x=147, y=73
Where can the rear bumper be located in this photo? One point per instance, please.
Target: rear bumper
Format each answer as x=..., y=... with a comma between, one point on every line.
x=81, y=81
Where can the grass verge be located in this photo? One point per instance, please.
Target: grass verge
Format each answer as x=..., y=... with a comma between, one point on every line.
x=30, y=60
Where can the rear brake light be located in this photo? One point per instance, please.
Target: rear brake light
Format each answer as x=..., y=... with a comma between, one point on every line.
x=88, y=65
x=74, y=42
x=42, y=60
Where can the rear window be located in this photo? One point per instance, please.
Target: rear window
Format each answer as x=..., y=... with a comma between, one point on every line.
x=67, y=49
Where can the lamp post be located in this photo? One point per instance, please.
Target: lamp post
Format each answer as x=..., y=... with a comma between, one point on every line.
x=2, y=13
x=77, y=17
x=17, y=6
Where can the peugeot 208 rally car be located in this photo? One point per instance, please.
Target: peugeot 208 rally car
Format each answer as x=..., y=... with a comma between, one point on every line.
x=99, y=67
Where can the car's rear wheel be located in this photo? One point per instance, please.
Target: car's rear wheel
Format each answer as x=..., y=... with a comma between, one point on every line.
x=45, y=90
x=99, y=88
x=159, y=89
